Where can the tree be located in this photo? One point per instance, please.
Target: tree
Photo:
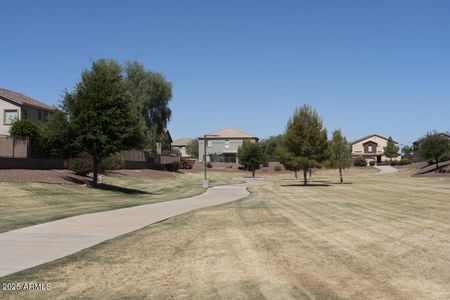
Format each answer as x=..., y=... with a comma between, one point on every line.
x=407, y=151
x=340, y=153
x=59, y=135
x=101, y=114
x=391, y=149
x=192, y=148
x=434, y=146
x=28, y=129
x=270, y=146
x=305, y=141
x=251, y=156
x=150, y=94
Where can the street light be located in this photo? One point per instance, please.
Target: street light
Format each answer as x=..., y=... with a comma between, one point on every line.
x=205, y=179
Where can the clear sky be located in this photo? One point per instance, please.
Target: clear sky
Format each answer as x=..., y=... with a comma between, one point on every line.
x=366, y=66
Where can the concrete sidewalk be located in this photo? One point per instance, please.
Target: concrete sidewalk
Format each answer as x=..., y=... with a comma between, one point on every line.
x=31, y=246
x=386, y=169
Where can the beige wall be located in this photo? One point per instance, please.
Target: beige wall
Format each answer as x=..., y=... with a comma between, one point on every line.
x=358, y=148
x=5, y=105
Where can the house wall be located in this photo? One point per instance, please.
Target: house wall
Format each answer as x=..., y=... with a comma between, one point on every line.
x=5, y=105
x=31, y=113
x=220, y=146
x=358, y=148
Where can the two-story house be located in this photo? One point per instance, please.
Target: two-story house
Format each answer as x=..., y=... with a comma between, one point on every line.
x=16, y=106
x=371, y=148
x=222, y=145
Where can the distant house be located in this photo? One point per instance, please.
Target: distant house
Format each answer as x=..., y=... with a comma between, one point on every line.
x=371, y=148
x=16, y=106
x=222, y=145
x=181, y=145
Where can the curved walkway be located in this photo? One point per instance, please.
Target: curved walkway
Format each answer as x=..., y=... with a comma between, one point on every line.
x=31, y=246
x=386, y=169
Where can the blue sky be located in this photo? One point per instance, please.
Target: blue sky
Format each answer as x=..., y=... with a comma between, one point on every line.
x=366, y=66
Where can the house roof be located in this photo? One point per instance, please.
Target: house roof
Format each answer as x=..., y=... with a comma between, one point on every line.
x=22, y=99
x=369, y=136
x=181, y=142
x=229, y=133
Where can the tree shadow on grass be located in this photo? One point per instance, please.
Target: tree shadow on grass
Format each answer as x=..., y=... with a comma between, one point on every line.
x=120, y=189
x=307, y=185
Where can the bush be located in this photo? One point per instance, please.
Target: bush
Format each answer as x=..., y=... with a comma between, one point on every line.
x=173, y=166
x=81, y=165
x=359, y=162
x=404, y=162
x=112, y=162
x=187, y=164
x=209, y=165
x=277, y=168
x=442, y=171
x=371, y=163
x=394, y=163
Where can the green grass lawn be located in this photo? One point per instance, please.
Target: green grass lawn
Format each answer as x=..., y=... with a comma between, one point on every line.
x=376, y=237
x=25, y=204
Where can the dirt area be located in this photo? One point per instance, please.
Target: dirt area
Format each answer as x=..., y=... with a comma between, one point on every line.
x=375, y=237
x=68, y=177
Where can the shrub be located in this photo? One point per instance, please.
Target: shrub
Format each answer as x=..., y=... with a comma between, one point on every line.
x=371, y=163
x=404, y=162
x=394, y=163
x=209, y=165
x=359, y=162
x=81, y=165
x=187, y=164
x=277, y=168
x=173, y=166
x=112, y=162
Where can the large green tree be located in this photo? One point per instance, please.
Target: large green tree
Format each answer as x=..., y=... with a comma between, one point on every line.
x=150, y=94
x=391, y=149
x=251, y=156
x=340, y=153
x=305, y=141
x=434, y=146
x=270, y=146
x=101, y=113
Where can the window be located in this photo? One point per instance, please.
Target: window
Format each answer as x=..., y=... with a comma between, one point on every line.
x=24, y=114
x=39, y=114
x=369, y=148
x=9, y=116
x=227, y=143
x=209, y=143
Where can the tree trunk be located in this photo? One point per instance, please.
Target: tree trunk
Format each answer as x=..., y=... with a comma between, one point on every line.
x=305, y=176
x=437, y=163
x=295, y=172
x=340, y=176
x=95, y=170
x=253, y=173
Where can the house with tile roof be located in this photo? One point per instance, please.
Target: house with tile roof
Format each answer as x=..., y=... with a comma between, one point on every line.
x=181, y=145
x=17, y=106
x=371, y=148
x=222, y=145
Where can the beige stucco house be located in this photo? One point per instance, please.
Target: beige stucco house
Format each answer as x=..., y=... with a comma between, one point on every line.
x=222, y=145
x=181, y=145
x=371, y=148
x=16, y=106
